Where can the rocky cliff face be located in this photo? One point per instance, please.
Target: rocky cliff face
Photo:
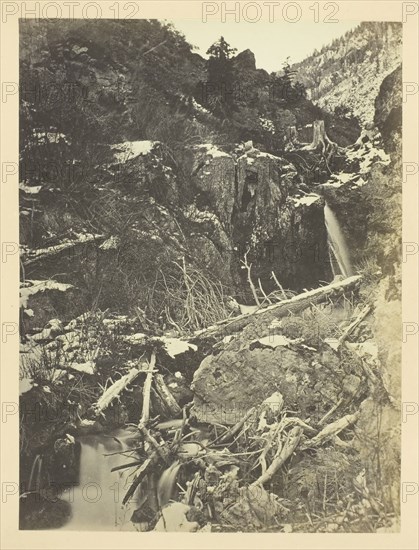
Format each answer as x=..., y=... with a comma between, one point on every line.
x=361, y=59
x=364, y=168
x=282, y=226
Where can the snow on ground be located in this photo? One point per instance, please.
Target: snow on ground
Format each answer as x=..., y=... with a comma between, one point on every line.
x=132, y=149
x=332, y=342
x=51, y=137
x=175, y=346
x=110, y=244
x=366, y=349
x=212, y=150
x=88, y=367
x=34, y=190
x=247, y=309
x=31, y=287
x=274, y=340
x=307, y=199
x=337, y=180
x=25, y=384
x=200, y=108
x=367, y=155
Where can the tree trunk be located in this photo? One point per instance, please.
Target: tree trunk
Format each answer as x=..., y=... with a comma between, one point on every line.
x=321, y=141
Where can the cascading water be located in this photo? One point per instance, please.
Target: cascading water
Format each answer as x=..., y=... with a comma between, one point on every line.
x=337, y=245
x=35, y=477
x=96, y=503
x=166, y=484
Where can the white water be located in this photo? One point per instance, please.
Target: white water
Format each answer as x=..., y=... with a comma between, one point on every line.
x=337, y=243
x=166, y=484
x=96, y=503
x=35, y=477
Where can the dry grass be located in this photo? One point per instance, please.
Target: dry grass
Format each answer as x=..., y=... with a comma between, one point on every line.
x=193, y=301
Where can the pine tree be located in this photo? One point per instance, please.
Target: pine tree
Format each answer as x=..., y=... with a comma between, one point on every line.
x=220, y=87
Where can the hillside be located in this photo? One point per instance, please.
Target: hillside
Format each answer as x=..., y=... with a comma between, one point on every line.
x=348, y=72
x=209, y=262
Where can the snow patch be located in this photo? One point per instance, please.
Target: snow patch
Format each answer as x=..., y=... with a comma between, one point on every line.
x=132, y=149
x=247, y=309
x=34, y=190
x=67, y=243
x=212, y=150
x=365, y=349
x=274, y=340
x=332, y=342
x=25, y=384
x=51, y=137
x=307, y=199
x=32, y=287
x=88, y=367
x=110, y=244
x=175, y=346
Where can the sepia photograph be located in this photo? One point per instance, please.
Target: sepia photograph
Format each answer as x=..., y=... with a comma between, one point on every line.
x=210, y=235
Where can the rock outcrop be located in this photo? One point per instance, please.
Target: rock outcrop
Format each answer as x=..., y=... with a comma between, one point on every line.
x=282, y=226
x=282, y=356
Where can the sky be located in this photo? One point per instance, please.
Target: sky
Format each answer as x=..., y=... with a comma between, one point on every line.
x=271, y=43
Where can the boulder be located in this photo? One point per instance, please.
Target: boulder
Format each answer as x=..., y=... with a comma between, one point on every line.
x=256, y=362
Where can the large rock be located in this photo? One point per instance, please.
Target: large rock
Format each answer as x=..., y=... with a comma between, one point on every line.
x=248, y=370
x=214, y=177
x=388, y=109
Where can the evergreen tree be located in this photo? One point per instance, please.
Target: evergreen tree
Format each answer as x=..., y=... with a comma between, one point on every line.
x=220, y=87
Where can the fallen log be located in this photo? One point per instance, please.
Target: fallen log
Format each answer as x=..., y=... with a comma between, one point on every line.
x=275, y=311
x=36, y=255
x=114, y=391
x=165, y=395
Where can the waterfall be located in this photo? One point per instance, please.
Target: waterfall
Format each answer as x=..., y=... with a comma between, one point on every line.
x=96, y=503
x=337, y=244
x=35, y=477
x=166, y=483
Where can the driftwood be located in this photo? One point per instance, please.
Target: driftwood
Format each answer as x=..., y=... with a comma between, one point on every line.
x=236, y=428
x=141, y=473
x=147, y=390
x=350, y=328
x=331, y=430
x=249, y=278
x=114, y=391
x=274, y=277
x=281, y=456
x=291, y=305
x=167, y=398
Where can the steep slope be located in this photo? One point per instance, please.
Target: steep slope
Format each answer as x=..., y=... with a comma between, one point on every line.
x=359, y=60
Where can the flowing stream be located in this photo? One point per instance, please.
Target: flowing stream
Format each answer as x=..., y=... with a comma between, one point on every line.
x=338, y=250
x=96, y=503
x=36, y=472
